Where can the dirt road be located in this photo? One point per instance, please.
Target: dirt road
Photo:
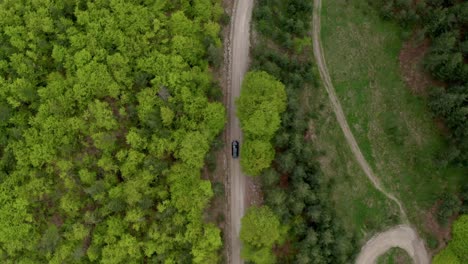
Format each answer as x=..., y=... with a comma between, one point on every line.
x=239, y=61
x=402, y=236
x=321, y=63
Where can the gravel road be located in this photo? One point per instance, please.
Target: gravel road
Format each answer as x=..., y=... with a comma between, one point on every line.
x=239, y=62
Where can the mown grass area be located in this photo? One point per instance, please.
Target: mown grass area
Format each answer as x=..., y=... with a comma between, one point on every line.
x=393, y=127
x=395, y=256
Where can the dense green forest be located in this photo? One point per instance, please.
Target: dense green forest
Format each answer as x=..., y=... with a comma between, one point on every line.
x=107, y=111
x=294, y=187
x=445, y=24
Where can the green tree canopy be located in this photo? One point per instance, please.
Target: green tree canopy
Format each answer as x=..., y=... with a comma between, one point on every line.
x=256, y=155
x=459, y=241
x=106, y=117
x=259, y=232
x=262, y=100
x=457, y=249
x=259, y=108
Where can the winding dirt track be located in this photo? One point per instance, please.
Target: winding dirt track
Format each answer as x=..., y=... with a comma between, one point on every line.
x=402, y=236
x=239, y=61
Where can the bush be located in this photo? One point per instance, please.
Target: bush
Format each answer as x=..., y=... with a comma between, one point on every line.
x=260, y=230
x=446, y=256
x=457, y=250
x=256, y=155
x=259, y=108
x=450, y=206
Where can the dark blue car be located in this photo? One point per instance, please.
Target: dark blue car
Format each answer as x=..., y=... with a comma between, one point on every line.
x=235, y=149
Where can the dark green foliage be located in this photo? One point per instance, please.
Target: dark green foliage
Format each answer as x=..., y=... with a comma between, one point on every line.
x=288, y=17
x=432, y=242
x=293, y=187
x=452, y=105
x=449, y=207
x=445, y=23
x=218, y=189
x=107, y=112
x=403, y=11
x=464, y=198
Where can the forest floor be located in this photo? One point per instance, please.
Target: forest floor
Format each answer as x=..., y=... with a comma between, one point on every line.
x=393, y=127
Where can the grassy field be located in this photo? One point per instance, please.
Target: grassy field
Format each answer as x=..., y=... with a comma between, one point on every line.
x=392, y=126
x=395, y=256
x=364, y=209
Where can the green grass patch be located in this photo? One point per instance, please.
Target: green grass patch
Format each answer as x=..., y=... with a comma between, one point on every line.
x=363, y=209
x=395, y=256
x=393, y=127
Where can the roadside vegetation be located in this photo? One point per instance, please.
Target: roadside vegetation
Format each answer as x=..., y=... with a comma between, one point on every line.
x=260, y=105
x=107, y=111
x=393, y=127
x=294, y=187
x=260, y=231
x=456, y=251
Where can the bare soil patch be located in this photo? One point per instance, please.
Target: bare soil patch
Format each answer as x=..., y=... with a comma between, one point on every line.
x=57, y=220
x=284, y=181
x=283, y=250
x=254, y=194
x=411, y=65
x=403, y=259
x=311, y=134
x=441, y=233
x=216, y=212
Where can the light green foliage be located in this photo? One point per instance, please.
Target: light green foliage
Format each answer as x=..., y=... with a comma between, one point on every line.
x=256, y=156
x=202, y=252
x=260, y=231
x=106, y=117
x=16, y=230
x=258, y=256
x=193, y=148
x=167, y=115
x=259, y=107
x=460, y=238
x=457, y=249
x=261, y=103
x=446, y=256
x=263, y=122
